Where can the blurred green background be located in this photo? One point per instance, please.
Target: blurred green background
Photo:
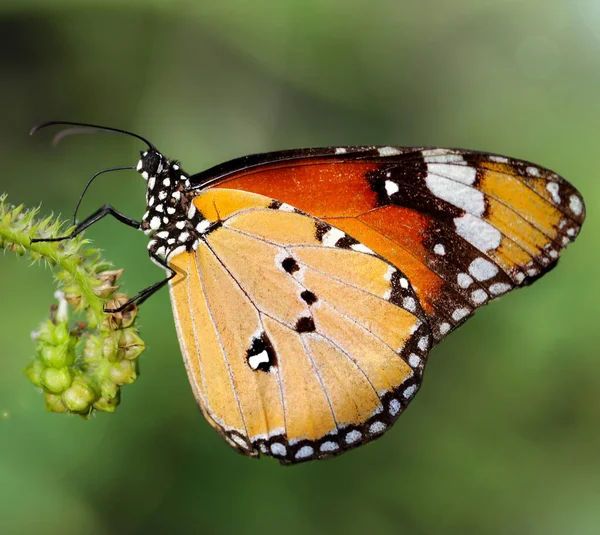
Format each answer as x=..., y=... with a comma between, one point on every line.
x=504, y=437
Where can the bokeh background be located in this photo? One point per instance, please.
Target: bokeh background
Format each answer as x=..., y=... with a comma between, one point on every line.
x=504, y=437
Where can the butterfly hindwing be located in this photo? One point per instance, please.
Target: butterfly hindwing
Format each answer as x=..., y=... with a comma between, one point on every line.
x=465, y=227
x=299, y=341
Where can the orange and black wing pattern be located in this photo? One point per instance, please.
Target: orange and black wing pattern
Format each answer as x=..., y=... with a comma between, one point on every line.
x=299, y=341
x=465, y=227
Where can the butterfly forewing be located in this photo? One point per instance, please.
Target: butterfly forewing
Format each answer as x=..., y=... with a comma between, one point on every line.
x=299, y=341
x=465, y=227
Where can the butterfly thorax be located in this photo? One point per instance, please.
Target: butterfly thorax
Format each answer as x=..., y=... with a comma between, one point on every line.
x=169, y=219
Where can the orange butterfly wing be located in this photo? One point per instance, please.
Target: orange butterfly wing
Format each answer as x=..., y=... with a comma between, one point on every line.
x=299, y=342
x=465, y=227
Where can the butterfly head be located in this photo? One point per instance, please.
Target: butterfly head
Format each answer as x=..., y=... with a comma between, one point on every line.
x=151, y=163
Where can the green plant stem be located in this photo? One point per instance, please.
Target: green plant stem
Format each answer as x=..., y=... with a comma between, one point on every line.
x=55, y=254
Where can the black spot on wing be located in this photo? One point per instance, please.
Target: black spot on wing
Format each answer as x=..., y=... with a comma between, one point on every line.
x=258, y=345
x=290, y=265
x=308, y=297
x=305, y=325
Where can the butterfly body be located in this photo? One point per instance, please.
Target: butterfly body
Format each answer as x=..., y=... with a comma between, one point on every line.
x=309, y=286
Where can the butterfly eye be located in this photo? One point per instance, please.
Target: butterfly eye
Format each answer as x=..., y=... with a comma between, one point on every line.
x=151, y=163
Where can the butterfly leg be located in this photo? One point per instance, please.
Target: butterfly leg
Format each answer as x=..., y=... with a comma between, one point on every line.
x=105, y=210
x=150, y=290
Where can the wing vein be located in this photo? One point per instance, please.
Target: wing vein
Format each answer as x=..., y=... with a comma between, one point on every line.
x=226, y=360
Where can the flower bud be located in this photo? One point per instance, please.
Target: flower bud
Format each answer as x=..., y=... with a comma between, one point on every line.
x=34, y=372
x=60, y=334
x=55, y=380
x=79, y=396
x=92, y=349
x=131, y=345
x=108, y=389
x=107, y=404
x=109, y=348
x=123, y=372
x=54, y=403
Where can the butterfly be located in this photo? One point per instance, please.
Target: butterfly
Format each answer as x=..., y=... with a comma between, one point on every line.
x=309, y=286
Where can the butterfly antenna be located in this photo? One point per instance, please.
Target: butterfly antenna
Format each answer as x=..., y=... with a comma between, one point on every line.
x=90, y=181
x=86, y=129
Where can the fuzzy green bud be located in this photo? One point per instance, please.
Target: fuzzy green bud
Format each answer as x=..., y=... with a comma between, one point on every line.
x=110, y=347
x=107, y=404
x=54, y=403
x=123, y=372
x=60, y=334
x=57, y=356
x=92, y=350
x=79, y=396
x=55, y=380
x=34, y=372
x=108, y=389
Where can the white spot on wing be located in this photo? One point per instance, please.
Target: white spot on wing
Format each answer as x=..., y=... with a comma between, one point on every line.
x=464, y=281
x=457, y=194
x=376, y=427
x=154, y=223
x=460, y=313
x=410, y=392
x=477, y=232
x=483, y=269
x=353, y=436
x=499, y=288
x=498, y=159
x=575, y=204
x=442, y=156
x=409, y=304
x=439, y=249
x=391, y=187
x=388, y=274
x=414, y=360
x=331, y=237
x=533, y=171
x=286, y=207
x=479, y=296
x=304, y=452
x=329, y=446
x=388, y=151
x=361, y=248
x=340, y=150
x=394, y=407
x=459, y=173
x=552, y=187
x=444, y=328
x=256, y=360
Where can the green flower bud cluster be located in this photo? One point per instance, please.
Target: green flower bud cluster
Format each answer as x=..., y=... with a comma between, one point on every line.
x=81, y=370
x=80, y=365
